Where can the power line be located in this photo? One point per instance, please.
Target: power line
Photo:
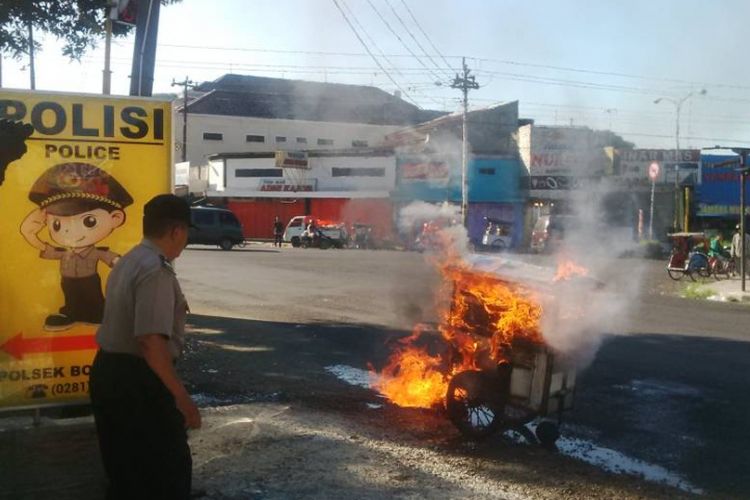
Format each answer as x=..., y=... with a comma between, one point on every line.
x=351, y=26
x=480, y=59
x=694, y=138
x=363, y=70
x=369, y=38
x=388, y=25
x=610, y=73
x=414, y=38
x=419, y=26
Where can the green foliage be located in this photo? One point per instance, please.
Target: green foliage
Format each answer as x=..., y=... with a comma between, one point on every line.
x=696, y=291
x=79, y=23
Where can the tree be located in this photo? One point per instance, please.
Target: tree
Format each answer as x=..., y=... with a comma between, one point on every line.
x=78, y=23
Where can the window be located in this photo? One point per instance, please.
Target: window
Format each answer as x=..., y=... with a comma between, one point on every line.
x=487, y=171
x=255, y=138
x=203, y=217
x=359, y=144
x=212, y=136
x=228, y=219
x=357, y=172
x=325, y=142
x=280, y=138
x=258, y=172
x=301, y=140
x=295, y=223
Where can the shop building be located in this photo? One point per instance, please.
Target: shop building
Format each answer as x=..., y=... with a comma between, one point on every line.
x=351, y=186
x=429, y=159
x=241, y=114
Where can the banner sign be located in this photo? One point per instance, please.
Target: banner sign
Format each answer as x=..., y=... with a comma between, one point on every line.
x=553, y=182
x=291, y=159
x=76, y=180
x=285, y=185
x=433, y=172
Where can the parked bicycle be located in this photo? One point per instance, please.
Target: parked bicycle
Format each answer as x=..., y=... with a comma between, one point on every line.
x=722, y=268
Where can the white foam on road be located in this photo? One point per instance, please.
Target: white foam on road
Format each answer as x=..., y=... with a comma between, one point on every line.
x=619, y=463
x=605, y=458
x=352, y=376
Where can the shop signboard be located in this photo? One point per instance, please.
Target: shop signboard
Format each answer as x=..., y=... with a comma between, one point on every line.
x=719, y=193
x=635, y=163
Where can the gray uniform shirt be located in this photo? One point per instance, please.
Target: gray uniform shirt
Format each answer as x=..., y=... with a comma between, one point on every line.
x=143, y=297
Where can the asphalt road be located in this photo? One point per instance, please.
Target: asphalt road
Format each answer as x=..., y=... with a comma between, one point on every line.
x=662, y=399
x=667, y=387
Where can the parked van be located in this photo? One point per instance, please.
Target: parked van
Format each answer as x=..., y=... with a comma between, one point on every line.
x=215, y=226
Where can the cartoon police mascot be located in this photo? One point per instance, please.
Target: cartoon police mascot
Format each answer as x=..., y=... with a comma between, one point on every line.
x=81, y=205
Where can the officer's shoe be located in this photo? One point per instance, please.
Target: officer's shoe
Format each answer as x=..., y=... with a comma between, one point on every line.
x=57, y=322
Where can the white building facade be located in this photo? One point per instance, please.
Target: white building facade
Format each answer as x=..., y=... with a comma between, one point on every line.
x=213, y=134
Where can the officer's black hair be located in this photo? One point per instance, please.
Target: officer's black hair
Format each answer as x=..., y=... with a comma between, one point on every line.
x=154, y=227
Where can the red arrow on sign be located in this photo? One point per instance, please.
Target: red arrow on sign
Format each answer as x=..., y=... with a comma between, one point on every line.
x=18, y=346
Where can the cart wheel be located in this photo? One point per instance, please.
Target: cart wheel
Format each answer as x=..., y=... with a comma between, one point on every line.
x=471, y=405
x=675, y=275
x=547, y=433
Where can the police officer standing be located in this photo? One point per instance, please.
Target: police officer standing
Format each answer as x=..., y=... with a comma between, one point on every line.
x=141, y=407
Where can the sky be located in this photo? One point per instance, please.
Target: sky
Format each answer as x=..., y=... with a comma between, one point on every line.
x=595, y=63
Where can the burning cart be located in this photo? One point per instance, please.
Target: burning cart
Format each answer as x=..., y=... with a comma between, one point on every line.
x=531, y=385
x=512, y=377
x=496, y=371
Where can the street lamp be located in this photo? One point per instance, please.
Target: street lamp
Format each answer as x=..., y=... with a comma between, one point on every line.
x=678, y=107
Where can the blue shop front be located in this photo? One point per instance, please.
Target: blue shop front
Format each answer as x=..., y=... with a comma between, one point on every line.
x=718, y=195
x=495, y=189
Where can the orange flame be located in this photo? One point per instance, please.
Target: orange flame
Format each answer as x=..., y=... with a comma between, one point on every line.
x=413, y=378
x=485, y=316
x=567, y=269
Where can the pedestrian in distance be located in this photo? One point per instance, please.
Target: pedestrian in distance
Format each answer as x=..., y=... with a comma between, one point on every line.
x=716, y=247
x=278, y=232
x=141, y=407
x=736, y=251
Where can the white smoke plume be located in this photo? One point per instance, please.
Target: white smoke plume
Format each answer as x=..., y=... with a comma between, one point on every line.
x=419, y=211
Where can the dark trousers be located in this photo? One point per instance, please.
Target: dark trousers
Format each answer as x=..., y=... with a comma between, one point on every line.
x=142, y=435
x=278, y=239
x=84, y=300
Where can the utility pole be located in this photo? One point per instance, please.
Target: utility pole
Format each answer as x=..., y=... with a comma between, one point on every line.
x=144, y=49
x=465, y=82
x=107, y=76
x=32, y=75
x=185, y=84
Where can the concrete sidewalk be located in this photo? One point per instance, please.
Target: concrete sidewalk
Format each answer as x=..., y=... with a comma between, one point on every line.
x=57, y=459
x=728, y=290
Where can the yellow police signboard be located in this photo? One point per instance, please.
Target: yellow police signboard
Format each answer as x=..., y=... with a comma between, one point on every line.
x=75, y=172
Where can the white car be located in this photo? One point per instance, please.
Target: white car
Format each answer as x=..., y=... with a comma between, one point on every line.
x=297, y=225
